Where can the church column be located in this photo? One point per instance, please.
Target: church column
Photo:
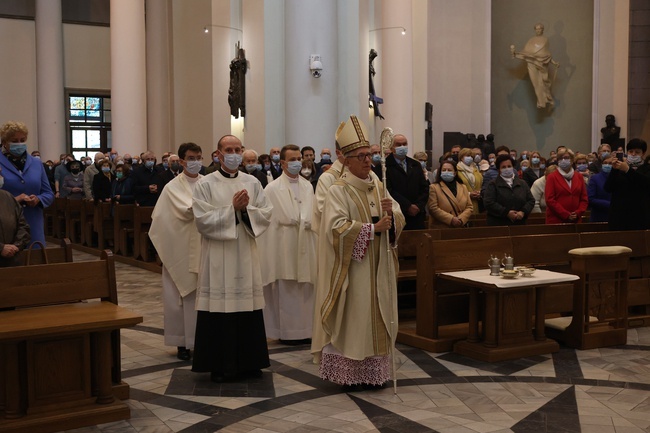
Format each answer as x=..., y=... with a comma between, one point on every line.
x=397, y=67
x=50, y=105
x=128, y=76
x=160, y=124
x=311, y=103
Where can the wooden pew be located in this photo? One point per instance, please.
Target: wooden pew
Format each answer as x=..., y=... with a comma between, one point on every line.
x=103, y=224
x=61, y=254
x=123, y=228
x=73, y=227
x=49, y=219
x=541, y=229
x=87, y=222
x=474, y=232
x=141, y=224
x=59, y=358
x=60, y=221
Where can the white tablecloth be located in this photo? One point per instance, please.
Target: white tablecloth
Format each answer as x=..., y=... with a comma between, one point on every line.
x=539, y=278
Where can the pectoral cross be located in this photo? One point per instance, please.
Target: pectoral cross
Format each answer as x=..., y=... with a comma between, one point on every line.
x=372, y=204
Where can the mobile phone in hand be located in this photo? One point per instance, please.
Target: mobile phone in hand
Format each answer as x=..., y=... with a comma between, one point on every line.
x=620, y=155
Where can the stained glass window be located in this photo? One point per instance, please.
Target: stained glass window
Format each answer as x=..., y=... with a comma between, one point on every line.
x=89, y=119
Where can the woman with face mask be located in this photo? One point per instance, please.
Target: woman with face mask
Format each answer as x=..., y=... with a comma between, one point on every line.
x=449, y=202
x=599, y=199
x=73, y=183
x=507, y=198
x=24, y=177
x=309, y=172
x=565, y=192
x=534, y=171
x=471, y=177
x=102, y=182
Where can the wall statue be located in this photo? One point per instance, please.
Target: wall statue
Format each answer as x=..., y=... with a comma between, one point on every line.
x=611, y=133
x=237, y=89
x=374, y=99
x=537, y=55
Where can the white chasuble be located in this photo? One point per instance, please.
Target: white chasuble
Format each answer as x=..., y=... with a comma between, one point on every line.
x=325, y=181
x=174, y=233
x=288, y=248
x=230, y=278
x=356, y=301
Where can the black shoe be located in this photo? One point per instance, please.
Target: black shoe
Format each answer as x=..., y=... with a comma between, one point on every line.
x=255, y=373
x=295, y=342
x=217, y=377
x=183, y=354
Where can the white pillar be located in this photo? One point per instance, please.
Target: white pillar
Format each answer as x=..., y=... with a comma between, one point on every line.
x=128, y=76
x=51, y=140
x=160, y=123
x=397, y=67
x=311, y=103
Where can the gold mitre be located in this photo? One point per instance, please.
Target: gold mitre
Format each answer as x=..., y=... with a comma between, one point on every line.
x=352, y=135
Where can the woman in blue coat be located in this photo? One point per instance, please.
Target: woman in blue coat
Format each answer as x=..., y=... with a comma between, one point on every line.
x=599, y=199
x=25, y=177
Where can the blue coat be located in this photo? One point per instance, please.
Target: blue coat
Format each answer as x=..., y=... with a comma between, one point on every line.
x=32, y=180
x=599, y=199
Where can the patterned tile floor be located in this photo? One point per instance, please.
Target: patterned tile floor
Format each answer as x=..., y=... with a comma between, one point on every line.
x=606, y=390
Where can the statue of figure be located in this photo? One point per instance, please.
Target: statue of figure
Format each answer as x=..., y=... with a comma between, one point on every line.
x=611, y=133
x=374, y=99
x=237, y=89
x=538, y=56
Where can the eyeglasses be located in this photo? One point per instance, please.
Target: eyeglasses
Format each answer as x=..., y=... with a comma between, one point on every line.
x=361, y=156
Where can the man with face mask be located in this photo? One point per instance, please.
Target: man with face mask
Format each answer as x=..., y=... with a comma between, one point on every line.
x=252, y=166
x=276, y=167
x=166, y=176
x=146, y=188
x=629, y=184
x=178, y=243
x=289, y=270
x=89, y=175
x=406, y=184
x=230, y=211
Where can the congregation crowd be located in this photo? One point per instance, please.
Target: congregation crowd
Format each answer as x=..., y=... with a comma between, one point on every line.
x=281, y=246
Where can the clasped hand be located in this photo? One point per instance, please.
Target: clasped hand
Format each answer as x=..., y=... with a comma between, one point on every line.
x=240, y=200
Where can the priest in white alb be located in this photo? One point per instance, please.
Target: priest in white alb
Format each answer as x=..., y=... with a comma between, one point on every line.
x=231, y=211
x=355, y=321
x=289, y=259
x=178, y=244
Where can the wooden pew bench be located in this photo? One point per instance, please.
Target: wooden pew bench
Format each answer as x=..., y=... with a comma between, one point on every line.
x=59, y=346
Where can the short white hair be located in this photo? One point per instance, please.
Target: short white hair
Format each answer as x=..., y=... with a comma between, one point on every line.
x=249, y=151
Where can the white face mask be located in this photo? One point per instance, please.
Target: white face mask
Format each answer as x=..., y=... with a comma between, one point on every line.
x=232, y=161
x=193, y=167
x=306, y=172
x=294, y=167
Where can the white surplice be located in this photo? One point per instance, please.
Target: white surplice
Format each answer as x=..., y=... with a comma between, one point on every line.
x=230, y=278
x=325, y=181
x=177, y=241
x=288, y=251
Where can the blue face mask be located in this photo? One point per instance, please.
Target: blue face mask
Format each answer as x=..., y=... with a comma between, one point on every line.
x=294, y=167
x=276, y=158
x=325, y=158
x=604, y=155
x=535, y=160
x=582, y=167
x=165, y=165
x=149, y=164
x=542, y=166
x=607, y=168
x=267, y=167
x=564, y=164
x=251, y=167
x=376, y=158
x=467, y=160
x=106, y=169
x=401, y=151
x=423, y=164
x=447, y=176
x=216, y=160
x=258, y=167
x=17, y=149
x=524, y=157
x=523, y=168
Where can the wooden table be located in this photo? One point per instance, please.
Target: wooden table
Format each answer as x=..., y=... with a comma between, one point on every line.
x=510, y=308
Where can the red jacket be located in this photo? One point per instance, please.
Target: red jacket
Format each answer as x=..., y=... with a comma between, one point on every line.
x=562, y=200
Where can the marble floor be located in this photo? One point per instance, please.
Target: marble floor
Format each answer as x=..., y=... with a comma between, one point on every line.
x=606, y=390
